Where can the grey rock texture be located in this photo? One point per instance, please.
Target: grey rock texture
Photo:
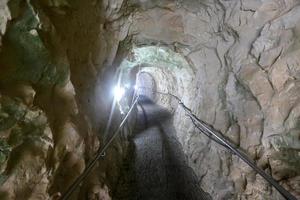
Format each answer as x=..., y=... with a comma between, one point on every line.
x=235, y=63
x=241, y=78
x=50, y=70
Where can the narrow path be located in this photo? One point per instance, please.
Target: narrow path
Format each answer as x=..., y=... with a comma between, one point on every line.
x=155, y=168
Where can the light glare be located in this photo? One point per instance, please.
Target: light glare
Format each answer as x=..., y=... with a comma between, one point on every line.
x=119, y=92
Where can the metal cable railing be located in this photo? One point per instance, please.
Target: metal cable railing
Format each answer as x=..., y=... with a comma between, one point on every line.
x=100, y=153
x=199, y=124
x=220, y=139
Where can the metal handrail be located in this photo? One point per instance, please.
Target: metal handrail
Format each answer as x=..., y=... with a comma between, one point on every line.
x=219, y=138
x=205, y=128
x=99, y=154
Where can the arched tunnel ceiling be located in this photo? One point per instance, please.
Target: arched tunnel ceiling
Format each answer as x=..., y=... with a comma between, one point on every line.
x=236, y=51
x=170, y=70
x=156, y=56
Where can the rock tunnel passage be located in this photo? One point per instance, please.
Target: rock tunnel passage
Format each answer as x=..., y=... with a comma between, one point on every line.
x=234, y=63
x=156, y=168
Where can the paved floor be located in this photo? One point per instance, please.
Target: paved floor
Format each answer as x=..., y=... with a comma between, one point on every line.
x=156, y=168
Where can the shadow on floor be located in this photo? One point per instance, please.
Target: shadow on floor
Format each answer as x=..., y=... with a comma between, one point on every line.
x=156, y=168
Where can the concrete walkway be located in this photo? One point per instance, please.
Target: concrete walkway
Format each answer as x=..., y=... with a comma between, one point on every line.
x=156, y=168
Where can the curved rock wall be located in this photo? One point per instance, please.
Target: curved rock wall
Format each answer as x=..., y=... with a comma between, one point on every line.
x=54, y=96
x=244, y=56
x=58, y=58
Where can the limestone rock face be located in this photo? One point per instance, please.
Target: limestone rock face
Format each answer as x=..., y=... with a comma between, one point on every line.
x=234, y=63
x=26, y=141
x=52, y=105
x=5, y=16
x=243, y=80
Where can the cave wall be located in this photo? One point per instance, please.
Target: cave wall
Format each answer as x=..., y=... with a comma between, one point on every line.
x=57, y=66
x=244, y=61
x=57, y=59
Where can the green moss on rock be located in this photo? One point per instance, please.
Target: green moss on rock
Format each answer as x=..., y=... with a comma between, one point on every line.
x=10, y=112
x=25, y=135
x=286, y=158
x=26, y=55
x=4, y=151
x=155, y=56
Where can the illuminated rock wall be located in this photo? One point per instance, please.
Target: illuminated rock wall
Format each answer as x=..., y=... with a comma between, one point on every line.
x=242, y=78
x=234, y=63
x=54, y=98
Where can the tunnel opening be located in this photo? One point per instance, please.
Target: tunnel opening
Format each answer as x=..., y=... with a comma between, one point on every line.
x=145, y=85
x=156, y=158
x=234, y=64
x=161, y=74
x=156, y=71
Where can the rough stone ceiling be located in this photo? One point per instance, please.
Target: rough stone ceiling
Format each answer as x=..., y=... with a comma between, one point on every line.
x=170, y=70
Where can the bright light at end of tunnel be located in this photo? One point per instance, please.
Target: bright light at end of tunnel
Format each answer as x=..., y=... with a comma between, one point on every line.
x=118, y=92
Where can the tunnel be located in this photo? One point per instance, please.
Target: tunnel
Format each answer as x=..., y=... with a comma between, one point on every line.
x=149, y=99
x=145, y=85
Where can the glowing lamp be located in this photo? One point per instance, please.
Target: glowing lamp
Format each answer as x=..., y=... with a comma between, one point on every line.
x=118, y=92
